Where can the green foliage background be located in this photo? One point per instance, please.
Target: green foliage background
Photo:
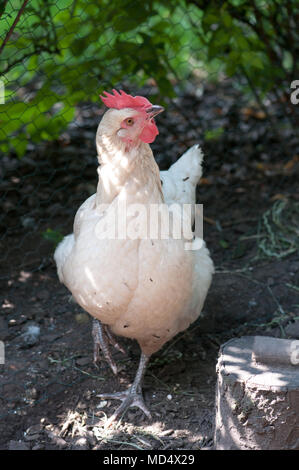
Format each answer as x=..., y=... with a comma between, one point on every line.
x=63, y=52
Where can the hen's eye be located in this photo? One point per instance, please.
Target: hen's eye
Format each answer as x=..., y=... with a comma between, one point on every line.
x=129, y=121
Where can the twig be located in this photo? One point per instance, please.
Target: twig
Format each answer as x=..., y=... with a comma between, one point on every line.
x=234, y=271
x=13, y=25
x=126, y=443
x=88, y=374
x=276, y=301
x=240, y=221
x=178, y=338
x=37, y=50
x=168, y=387
x=291, y=286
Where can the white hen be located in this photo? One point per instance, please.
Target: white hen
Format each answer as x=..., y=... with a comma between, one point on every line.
x=141, y=287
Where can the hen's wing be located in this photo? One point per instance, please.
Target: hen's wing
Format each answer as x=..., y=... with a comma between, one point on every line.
x=65, y=247
x=62, y=252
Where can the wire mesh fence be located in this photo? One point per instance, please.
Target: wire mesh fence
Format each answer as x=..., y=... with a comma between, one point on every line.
x=198, y=59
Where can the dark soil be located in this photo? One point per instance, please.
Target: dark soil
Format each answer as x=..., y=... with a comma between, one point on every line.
x=49, y=384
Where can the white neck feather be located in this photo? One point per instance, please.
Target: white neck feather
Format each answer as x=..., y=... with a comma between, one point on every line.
x=126, y=170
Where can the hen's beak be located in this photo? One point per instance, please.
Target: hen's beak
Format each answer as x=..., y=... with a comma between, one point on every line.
x=154, y=110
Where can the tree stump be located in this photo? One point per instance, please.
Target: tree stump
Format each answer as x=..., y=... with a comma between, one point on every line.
x=257, y=396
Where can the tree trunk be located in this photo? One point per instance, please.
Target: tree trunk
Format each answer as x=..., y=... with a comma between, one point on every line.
x=257, y=396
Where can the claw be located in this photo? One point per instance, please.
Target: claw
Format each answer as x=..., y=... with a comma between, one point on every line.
x=113, y=341
x=102, y=337
x=131, y=397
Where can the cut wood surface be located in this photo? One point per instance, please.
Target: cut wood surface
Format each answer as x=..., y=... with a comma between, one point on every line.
x=257, y=403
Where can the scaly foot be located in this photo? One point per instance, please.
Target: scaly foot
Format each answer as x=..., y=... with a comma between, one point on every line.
x=132, y=396
x=102, y=339
x=129, y=399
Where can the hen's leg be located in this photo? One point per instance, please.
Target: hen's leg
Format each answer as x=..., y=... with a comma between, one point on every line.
x=102, y=338
x=131, y=397
x=112, y=340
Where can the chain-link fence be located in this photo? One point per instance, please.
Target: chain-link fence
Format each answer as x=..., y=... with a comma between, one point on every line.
x=223, y=71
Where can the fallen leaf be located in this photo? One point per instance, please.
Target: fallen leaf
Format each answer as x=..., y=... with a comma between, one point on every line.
x=289, y=165
x=279, y=197
x=209, y=220
x=205, y=181
x=252, y=112
x=260, y=115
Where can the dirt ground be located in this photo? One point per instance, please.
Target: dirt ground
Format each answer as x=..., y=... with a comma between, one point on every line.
x=49, y=384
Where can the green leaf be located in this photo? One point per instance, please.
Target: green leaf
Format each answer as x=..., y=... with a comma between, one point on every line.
x=252, y=58
x=214, y=134
x=227, y=19
x=241, y=41
x=123, y=24
x=52, y=236
x=224, y=244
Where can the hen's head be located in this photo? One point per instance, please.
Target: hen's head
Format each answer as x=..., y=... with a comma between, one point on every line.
x=130, y=118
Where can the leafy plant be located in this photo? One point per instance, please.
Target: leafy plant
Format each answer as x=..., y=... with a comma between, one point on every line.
x=56, y=54
x=278, y=230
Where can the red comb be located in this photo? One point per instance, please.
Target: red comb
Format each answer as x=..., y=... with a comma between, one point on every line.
x=121, y=100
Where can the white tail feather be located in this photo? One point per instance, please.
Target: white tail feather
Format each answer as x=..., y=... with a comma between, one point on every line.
x=180, y=181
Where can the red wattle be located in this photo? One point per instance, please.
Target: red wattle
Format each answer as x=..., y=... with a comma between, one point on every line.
x=149, y=133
